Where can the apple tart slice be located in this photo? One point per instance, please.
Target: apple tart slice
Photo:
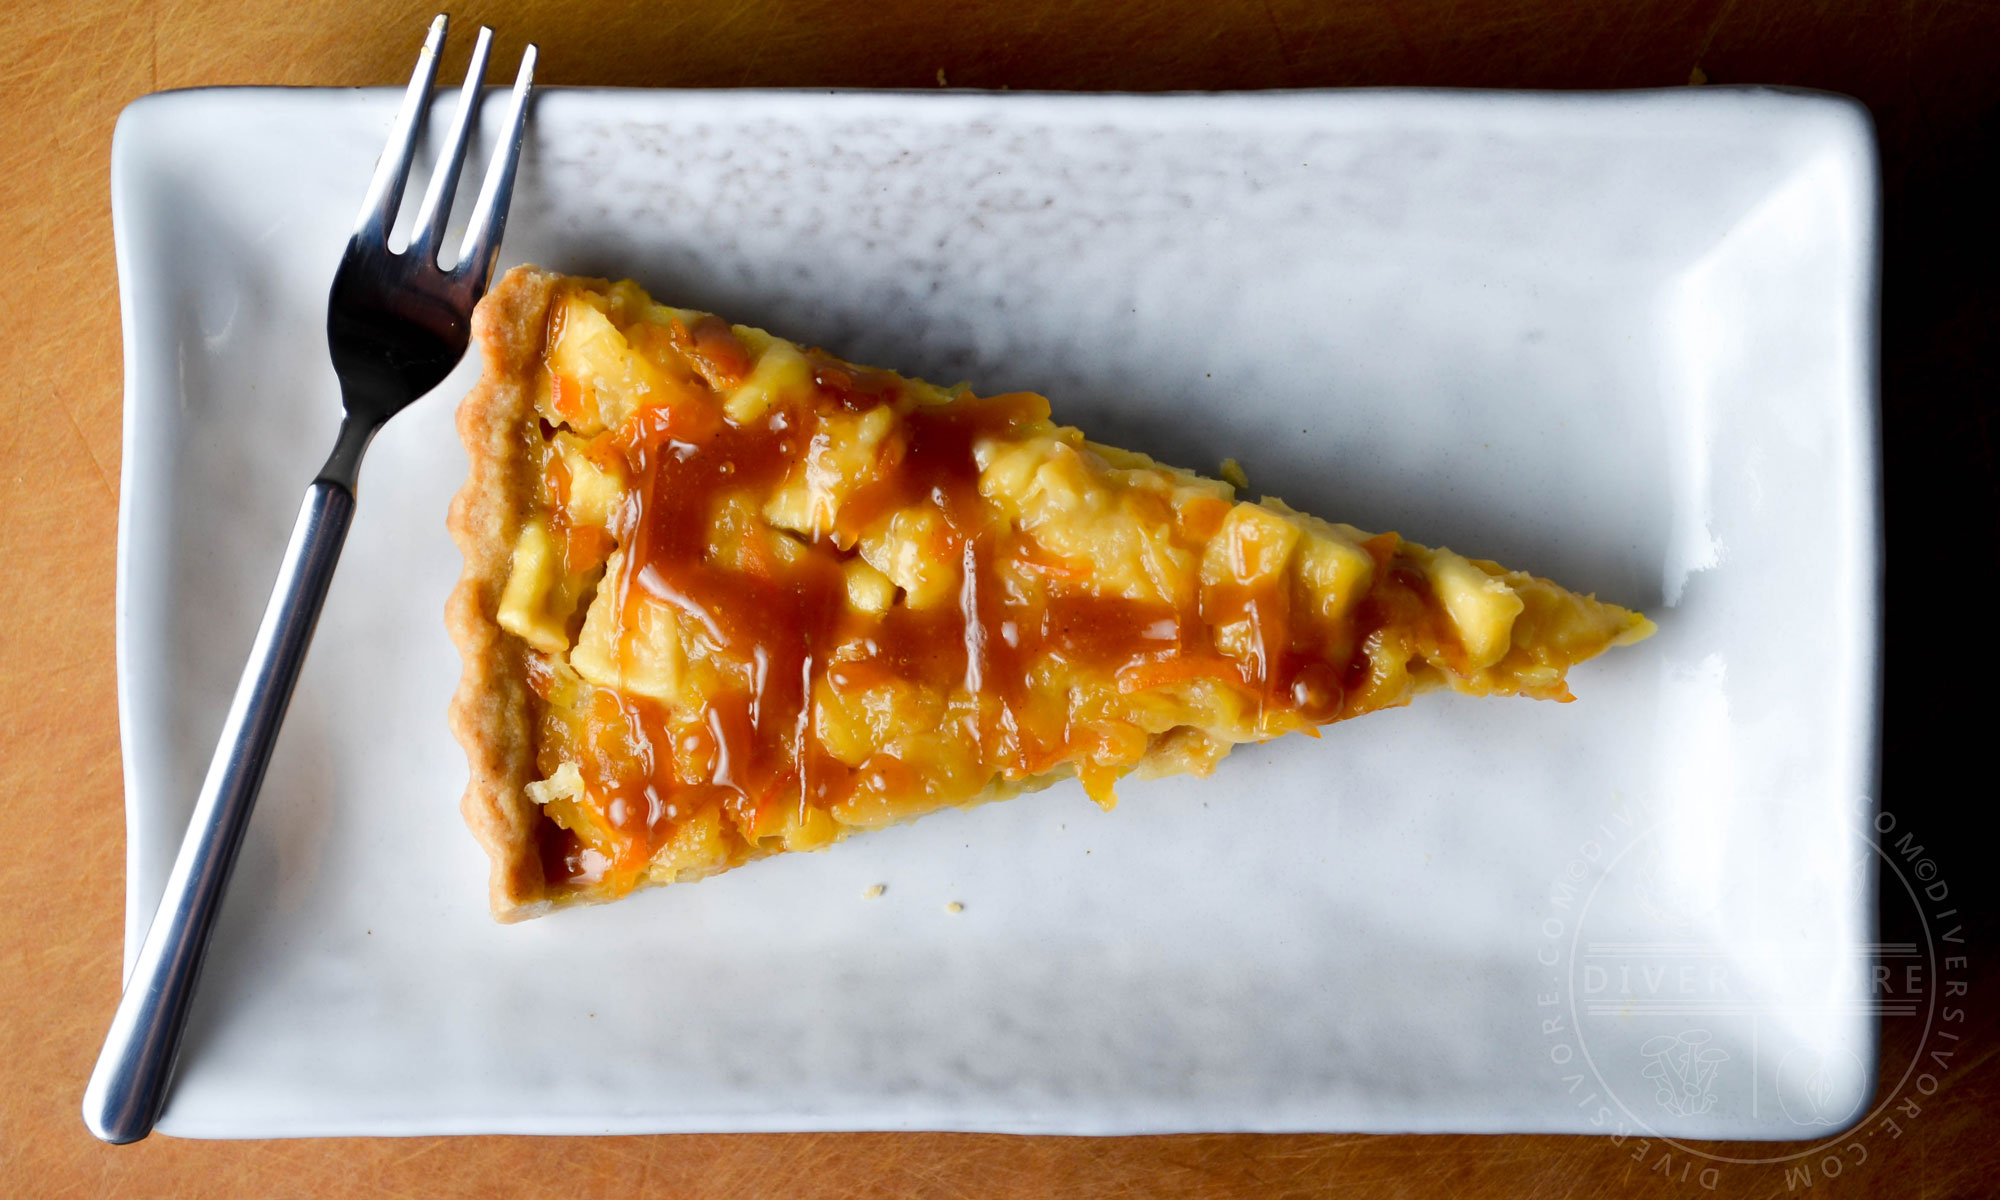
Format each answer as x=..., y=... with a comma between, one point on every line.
x=725, y=596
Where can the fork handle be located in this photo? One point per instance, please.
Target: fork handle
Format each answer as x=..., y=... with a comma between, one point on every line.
x=129, y=1084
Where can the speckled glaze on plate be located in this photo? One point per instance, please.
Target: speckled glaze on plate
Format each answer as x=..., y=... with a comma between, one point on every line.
x=1627, y=341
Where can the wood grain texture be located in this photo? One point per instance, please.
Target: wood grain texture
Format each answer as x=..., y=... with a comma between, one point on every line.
x=1926, y=68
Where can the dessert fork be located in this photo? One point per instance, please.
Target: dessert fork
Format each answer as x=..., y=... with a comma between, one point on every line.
x=397, y=323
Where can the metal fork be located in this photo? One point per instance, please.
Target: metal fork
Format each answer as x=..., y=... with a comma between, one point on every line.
x=397, y=323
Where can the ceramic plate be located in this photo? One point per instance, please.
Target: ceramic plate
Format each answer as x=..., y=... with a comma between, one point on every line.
x=1627, y=341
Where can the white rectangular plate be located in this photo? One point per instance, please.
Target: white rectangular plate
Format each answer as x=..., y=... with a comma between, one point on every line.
x=1626, y=341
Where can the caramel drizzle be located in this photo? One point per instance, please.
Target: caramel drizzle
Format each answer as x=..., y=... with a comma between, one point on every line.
x=758, y=746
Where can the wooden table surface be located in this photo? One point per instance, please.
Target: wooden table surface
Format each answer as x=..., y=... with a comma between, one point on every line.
x=1930, y=71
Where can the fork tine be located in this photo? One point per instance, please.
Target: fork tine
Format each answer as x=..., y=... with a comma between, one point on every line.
x=489, y=216
x=436, y=208
x=385, y=190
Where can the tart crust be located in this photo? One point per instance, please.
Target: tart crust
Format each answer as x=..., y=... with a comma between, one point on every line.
x=489, y=713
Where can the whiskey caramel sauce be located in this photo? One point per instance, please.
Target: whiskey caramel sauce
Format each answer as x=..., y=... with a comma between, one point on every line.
x=756, y=747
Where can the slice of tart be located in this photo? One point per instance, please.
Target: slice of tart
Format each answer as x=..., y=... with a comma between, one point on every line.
x=725, y=596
